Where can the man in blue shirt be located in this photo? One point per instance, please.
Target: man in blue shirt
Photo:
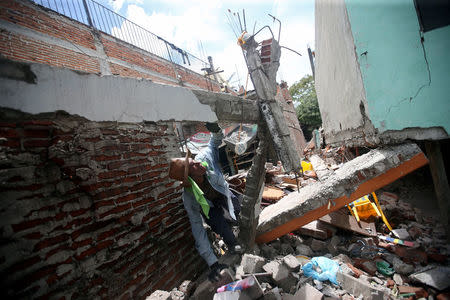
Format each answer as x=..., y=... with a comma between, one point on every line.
x=207, y=196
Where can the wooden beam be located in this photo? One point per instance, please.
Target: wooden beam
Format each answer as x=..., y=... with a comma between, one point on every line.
x=364, y=188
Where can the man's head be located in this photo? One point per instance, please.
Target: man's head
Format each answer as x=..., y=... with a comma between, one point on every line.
x=196, y=168
x=180, y=168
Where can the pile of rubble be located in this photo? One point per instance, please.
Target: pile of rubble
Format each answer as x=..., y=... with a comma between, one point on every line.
x=411, y=262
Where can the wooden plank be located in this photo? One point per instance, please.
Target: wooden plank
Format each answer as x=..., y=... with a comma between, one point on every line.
x=349, y=222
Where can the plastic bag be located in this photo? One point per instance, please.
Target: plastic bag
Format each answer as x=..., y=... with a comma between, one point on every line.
x=321, y=268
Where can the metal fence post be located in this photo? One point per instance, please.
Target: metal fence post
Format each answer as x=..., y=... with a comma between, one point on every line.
x=88, y=15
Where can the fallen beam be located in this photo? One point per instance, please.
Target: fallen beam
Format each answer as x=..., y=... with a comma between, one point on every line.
x=353, y=180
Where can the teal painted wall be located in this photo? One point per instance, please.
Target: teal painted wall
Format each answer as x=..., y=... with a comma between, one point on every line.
x=407, y=84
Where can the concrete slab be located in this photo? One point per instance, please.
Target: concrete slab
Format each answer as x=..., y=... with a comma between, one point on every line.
x=42, y=88
x=353, y=180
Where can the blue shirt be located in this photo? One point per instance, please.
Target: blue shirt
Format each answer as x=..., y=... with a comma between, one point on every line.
x=193, y=209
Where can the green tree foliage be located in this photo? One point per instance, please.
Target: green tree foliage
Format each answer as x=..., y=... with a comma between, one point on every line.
x=304, y=95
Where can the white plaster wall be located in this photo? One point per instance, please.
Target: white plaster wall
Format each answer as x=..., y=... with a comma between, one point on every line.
x=102, y=98
x=338, y=78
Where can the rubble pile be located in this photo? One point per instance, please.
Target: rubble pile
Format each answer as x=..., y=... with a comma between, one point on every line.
x=338, y=256
x=381, y=265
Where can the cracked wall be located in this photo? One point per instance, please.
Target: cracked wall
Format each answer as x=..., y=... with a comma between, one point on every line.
x=375, y=54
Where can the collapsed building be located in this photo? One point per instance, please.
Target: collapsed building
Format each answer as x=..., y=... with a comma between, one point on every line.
x=89, y=121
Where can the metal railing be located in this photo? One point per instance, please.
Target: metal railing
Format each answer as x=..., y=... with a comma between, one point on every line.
x=94, y=14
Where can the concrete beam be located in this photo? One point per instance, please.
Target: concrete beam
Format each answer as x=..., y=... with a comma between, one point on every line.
x=36, y=88
x=353, y=180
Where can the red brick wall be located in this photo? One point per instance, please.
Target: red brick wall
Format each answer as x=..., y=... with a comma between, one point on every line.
x=87, y=210
x=55, y=30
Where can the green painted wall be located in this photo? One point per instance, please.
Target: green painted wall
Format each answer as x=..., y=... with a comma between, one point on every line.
x=407, y=84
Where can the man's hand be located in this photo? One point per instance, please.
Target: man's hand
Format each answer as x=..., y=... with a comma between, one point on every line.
x=214, y=274
x=213, y=127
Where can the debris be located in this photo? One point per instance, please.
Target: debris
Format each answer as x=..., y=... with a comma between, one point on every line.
x=320, y=167
x=308, y=292
x=418, y=292
x=304, y=250
x=159, y=295
x=237, y=285
x=318, y=245
x=358, y=287
x=398, y=279
x=362, y=175
x=272, y=193
x=401, y=267
x=397, y=241
x=280, y=274
x=318, y=230
x=252, y=263
x=291, y=262
x=321, y=268
x=438, y=277
x=384, y=268
x=401, y=233
x=348, y=222
x=207, y=289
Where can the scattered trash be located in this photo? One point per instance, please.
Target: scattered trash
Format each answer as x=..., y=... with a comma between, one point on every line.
x=237, y=285
x=384, y=268
x=321, y=268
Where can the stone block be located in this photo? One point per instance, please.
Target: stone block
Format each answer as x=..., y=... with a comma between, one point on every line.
x=358, y=287
x=280, y=274
x=308, y=292
x=178, y=295
x=317, y=245
x=402, y=267
x=303, y=250
x=159, y=295
x=252, y=263
x=291, y=262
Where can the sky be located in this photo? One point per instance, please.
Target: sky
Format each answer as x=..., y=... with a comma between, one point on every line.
x=207, y=28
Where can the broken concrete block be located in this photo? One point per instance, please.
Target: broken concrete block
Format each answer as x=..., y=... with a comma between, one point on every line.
x=332, y=245
x=308, y=292
x=438, y=277
x=359, y=287
x=357, y=177
x=401, y=233
x=253, y=292
x=398, y=279
x=178, y=295
x=252, y=263
x=342, y=259
x=159, y=295
x=303, y=250
x=317, y=245
x=291, y=262
x=268, y=251
x=286, y=249
x=280, y=274
x=402, y=267
x=318, y=230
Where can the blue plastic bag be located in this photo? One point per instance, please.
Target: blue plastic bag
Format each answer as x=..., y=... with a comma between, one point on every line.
x=329, y=269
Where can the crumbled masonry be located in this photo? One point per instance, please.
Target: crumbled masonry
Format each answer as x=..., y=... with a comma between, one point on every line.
x=371, y=267
x=354, y=179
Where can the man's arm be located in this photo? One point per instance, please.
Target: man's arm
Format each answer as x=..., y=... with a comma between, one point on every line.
x=217, y=135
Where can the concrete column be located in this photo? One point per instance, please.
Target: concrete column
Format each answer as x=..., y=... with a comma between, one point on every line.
x=253, y=192
x=440, y=181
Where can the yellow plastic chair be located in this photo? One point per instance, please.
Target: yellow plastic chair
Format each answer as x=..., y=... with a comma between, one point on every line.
x=364, y=208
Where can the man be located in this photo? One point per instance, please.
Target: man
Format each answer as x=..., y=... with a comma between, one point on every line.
x=207, y=195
